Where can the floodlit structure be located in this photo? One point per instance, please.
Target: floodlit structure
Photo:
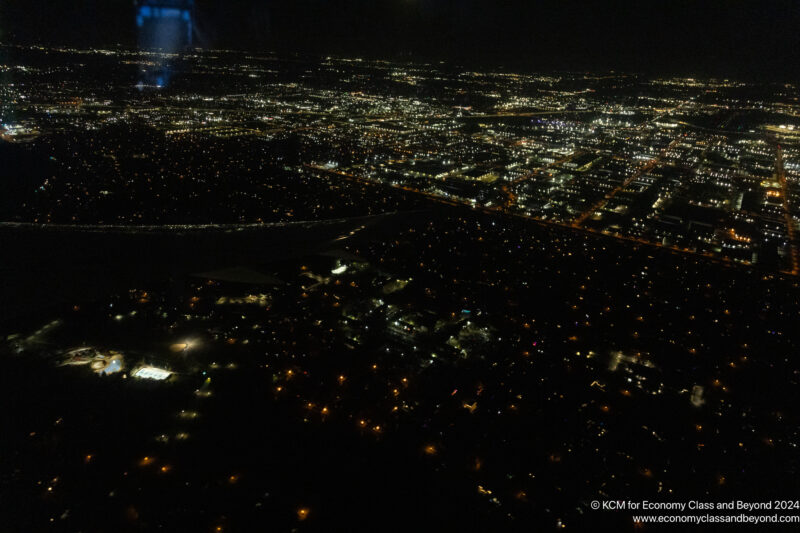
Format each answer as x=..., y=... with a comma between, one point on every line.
x=151, y=372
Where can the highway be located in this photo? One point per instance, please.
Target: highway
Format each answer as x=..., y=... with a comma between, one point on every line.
x=51, y=264
x=183, y=228
x=500, y=210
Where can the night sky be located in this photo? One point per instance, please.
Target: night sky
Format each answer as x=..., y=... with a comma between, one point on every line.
x=737, y=38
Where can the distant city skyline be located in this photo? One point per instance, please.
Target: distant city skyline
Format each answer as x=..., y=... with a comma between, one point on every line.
x=754, y=40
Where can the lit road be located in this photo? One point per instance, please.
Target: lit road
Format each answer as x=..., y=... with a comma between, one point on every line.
x=181, y=228
x=527, y=114
x=650, y=165
x=511, y=198
x=780, y=173
x=53, y=264
x=706, y=256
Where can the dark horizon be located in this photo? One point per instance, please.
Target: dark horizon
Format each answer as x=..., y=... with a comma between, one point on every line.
x=752, y=40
